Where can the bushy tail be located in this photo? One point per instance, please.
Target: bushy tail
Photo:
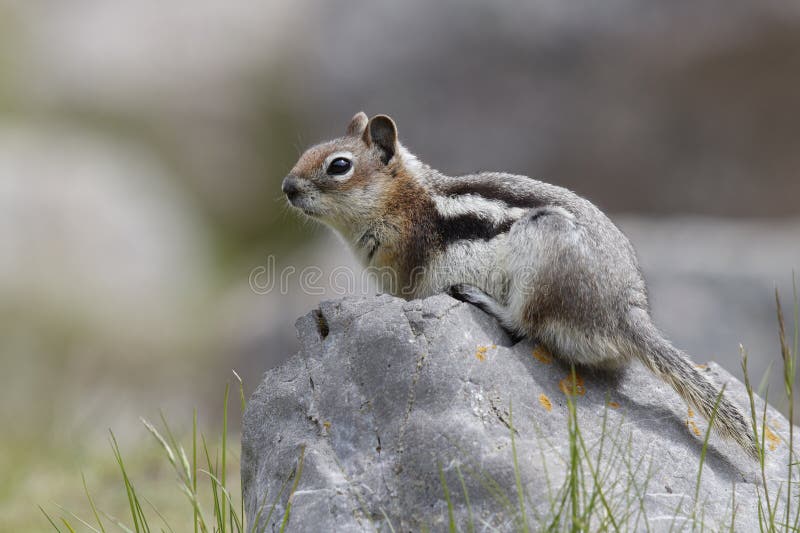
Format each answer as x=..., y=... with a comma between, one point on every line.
x=674, y=367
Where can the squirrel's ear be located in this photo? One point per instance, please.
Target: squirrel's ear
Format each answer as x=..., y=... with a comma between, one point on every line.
x=357, y=124
x=382, y=133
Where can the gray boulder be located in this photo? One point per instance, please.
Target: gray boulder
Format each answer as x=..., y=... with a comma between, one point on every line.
x=397, y=406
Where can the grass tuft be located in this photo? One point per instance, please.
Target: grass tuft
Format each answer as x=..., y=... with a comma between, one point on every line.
x=226, y=507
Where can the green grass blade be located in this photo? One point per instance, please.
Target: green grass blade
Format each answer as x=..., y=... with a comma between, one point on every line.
x=771, y=509
x=241, y=390
x=517, y=477
x=91, y=504
x=254, y=525
x=194, y=465
x=298, y=473
x=788, y=378
x=704, y=450
x=67, y=525
x=574, y=459
x=173, y=442
x=198, y=510
x=117, y=522
x=133, y=504
x=78, y=518
x=450, y=516
x=214, y=487
x=49, y=519
x=765, y=509
x=158, y=513
x=224, y=448
x=244, y=406
x=492, y=487
x=164, y=444
x=597, y=489
x=388, y=522
x=470, y=523
x=234, y=520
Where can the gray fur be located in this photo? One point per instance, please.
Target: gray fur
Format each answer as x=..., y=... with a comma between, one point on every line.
x=547, y=263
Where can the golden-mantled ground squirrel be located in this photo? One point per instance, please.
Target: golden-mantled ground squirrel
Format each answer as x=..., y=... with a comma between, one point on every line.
x=545, y=262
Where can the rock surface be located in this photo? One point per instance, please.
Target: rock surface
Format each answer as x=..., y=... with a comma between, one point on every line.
x=384, y=393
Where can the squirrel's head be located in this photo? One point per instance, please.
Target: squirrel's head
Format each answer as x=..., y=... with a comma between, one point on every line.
x=343, y=181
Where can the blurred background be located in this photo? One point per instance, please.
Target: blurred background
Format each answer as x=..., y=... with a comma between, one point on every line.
x=142, y=145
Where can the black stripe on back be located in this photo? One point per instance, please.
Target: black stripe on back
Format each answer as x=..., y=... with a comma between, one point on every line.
x=470, y=227
x=491, y=191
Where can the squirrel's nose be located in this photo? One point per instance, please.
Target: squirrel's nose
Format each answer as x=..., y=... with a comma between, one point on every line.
x=290, y=186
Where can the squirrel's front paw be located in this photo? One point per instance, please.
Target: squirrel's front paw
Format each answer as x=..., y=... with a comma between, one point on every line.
x=465, y=293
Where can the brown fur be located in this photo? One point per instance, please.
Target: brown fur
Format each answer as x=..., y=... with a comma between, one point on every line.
x=409, y=208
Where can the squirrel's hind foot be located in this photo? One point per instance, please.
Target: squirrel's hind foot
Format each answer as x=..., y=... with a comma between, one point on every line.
x=471, y=294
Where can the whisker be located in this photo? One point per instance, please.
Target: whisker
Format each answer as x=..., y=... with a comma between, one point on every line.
x=298, y=145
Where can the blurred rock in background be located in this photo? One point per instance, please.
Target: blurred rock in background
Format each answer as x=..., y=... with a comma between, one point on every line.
x=142, y=146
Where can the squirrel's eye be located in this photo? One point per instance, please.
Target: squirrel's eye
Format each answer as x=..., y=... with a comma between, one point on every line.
x=339, y=166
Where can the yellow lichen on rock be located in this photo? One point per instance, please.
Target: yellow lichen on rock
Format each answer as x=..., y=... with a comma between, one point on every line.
x=542, y=355
x=545, y=401
x=690, y=423
x=568, y=386
x=613, y=405
x=696, y=430
x=480, y=354
x=773, y=439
